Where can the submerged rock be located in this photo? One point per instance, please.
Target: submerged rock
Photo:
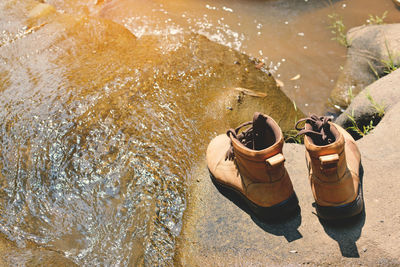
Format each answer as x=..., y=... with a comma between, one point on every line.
x=100, y=130
x=374, y=50
x=31, y=255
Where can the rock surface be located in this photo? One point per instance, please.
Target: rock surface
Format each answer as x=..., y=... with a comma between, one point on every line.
x=31, y=255
x=373, y=49
x=218, y=233
x=383, y=93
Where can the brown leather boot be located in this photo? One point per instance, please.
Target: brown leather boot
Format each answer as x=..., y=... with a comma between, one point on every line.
x=334, y=162
x=250, y=168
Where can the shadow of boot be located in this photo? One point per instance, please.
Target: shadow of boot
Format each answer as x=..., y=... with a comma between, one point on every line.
x=347, y=231
x=284, y=226
x=287, y=227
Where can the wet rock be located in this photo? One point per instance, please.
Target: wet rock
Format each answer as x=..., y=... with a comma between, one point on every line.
x=11, y=255
x=366, y=106
x=373, y=50
x=218, y=233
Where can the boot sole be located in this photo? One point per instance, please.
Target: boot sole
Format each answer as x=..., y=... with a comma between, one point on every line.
x=344, y=211
x=277, y=212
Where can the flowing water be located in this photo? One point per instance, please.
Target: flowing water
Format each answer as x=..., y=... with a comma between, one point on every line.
x=100, y=130
x=291, y=37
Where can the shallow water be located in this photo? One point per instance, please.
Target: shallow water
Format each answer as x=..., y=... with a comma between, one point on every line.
x=98, y=140
x=291, y=37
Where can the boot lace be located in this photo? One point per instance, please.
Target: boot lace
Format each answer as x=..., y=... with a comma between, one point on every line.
x=246, y=138
x=320, y=133
x=257, y=137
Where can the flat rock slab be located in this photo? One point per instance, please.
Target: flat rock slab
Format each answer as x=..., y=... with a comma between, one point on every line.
x=218, y=233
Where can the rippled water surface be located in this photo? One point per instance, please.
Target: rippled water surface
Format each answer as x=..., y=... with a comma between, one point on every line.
x=291, y=37
x=101, y=125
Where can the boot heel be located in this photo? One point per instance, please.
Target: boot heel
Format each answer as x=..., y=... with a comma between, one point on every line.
x=342, y=212
x=280, y=211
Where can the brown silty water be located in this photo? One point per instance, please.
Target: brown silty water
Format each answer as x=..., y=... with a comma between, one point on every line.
x=292, y=37
x=100, y=130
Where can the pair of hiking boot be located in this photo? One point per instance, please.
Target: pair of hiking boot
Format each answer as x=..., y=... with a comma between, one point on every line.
x=249, y=165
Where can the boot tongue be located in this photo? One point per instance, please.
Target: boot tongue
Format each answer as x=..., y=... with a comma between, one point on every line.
x=258, y=137
x=320, y=132
x=260, y=132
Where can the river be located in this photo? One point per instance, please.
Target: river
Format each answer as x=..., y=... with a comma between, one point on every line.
x=101, y=128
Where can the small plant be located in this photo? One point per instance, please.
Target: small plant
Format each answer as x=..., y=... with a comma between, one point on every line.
x=338, y=29
x=380, y=108
x=366, y=129
x=389, y=63
x=389, y=66
x=376, y=20
x=350, y=94
x=373, y=70
x=291, y=135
